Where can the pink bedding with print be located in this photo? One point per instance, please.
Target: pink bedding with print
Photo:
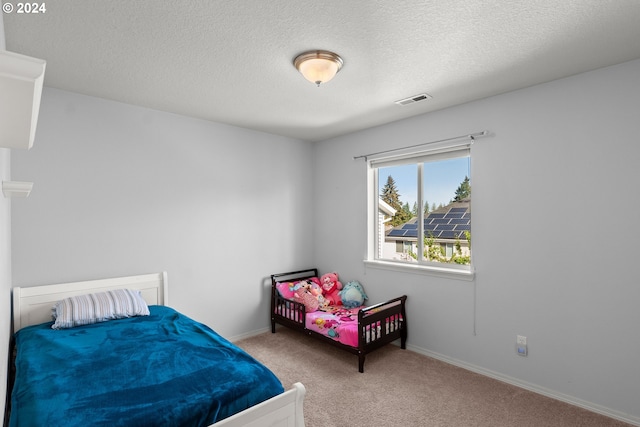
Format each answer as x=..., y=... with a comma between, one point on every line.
x=336, y=322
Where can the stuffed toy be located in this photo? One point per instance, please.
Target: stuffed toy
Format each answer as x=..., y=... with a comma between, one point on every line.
x=315, y=280
x=353, y=295
x=331, y=287
x=316, y=291
x=302, y=294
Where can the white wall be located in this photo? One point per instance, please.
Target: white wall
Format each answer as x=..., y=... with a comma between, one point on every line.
x=5, y=260
x=559, y=179
x=124, y=190
x=121, y=190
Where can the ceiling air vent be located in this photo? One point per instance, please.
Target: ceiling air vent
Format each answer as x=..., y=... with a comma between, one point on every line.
x=414, y=99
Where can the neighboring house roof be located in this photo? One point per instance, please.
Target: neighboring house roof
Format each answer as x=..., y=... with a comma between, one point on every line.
x=449, y=222
x=386, y=208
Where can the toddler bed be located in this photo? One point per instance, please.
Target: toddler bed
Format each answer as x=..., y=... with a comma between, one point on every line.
x=358, y=330
x=148, y=365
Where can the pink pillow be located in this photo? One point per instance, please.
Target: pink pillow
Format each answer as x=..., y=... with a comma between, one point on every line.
x=285, y=289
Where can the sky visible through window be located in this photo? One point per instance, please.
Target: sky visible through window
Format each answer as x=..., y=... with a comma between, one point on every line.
x=441, y=179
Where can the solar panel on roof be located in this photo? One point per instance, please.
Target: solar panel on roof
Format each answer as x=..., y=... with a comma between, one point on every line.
x=463, y=227
x=449, y=234
x=430, y=226
x=445, y=226
x=411, y=233
x=440, y=221
x=463, y=210
x=410, y=226
x=459, y=221
x=397, y=233
x=467, y=215
x=436, y=215
x=454, y=215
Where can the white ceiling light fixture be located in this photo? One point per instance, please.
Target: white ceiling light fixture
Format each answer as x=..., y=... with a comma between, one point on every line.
x=318, y=66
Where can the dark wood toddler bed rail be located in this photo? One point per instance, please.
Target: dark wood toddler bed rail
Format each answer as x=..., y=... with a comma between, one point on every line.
x=378, y=324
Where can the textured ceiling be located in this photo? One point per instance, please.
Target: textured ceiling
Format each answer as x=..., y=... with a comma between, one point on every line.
x=231, y=61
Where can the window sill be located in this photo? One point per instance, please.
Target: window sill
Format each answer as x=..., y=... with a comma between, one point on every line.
x=427, y=270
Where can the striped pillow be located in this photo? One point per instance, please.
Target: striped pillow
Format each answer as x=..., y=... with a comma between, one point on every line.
x=98, y=307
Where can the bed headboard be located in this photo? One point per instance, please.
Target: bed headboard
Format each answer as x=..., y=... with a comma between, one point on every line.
x=294, y=275
x=32, y=305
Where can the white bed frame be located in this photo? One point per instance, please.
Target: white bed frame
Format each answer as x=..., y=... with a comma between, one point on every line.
x=33, y=305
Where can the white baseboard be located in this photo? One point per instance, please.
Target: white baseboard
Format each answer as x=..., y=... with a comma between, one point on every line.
x=249, y=334
x=531, y=387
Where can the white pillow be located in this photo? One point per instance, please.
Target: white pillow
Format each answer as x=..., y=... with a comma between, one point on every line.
x=98, y=307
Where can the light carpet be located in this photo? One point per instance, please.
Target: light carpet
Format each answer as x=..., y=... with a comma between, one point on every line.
x=404, y=388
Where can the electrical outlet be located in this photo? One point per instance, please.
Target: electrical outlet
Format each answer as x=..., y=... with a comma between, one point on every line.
x=521, y=345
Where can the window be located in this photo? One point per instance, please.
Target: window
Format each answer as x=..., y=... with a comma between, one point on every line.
x=423, y=204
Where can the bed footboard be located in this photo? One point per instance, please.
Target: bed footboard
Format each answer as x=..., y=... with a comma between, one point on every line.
x=381, y=324
x=285, y=409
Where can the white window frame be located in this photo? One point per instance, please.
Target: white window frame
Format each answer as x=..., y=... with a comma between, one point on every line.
x=434, y=152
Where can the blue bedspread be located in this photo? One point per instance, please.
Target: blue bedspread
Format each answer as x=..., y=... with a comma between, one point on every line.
x=159, y=370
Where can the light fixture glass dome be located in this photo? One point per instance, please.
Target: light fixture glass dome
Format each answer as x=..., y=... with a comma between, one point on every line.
x=318, y=66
